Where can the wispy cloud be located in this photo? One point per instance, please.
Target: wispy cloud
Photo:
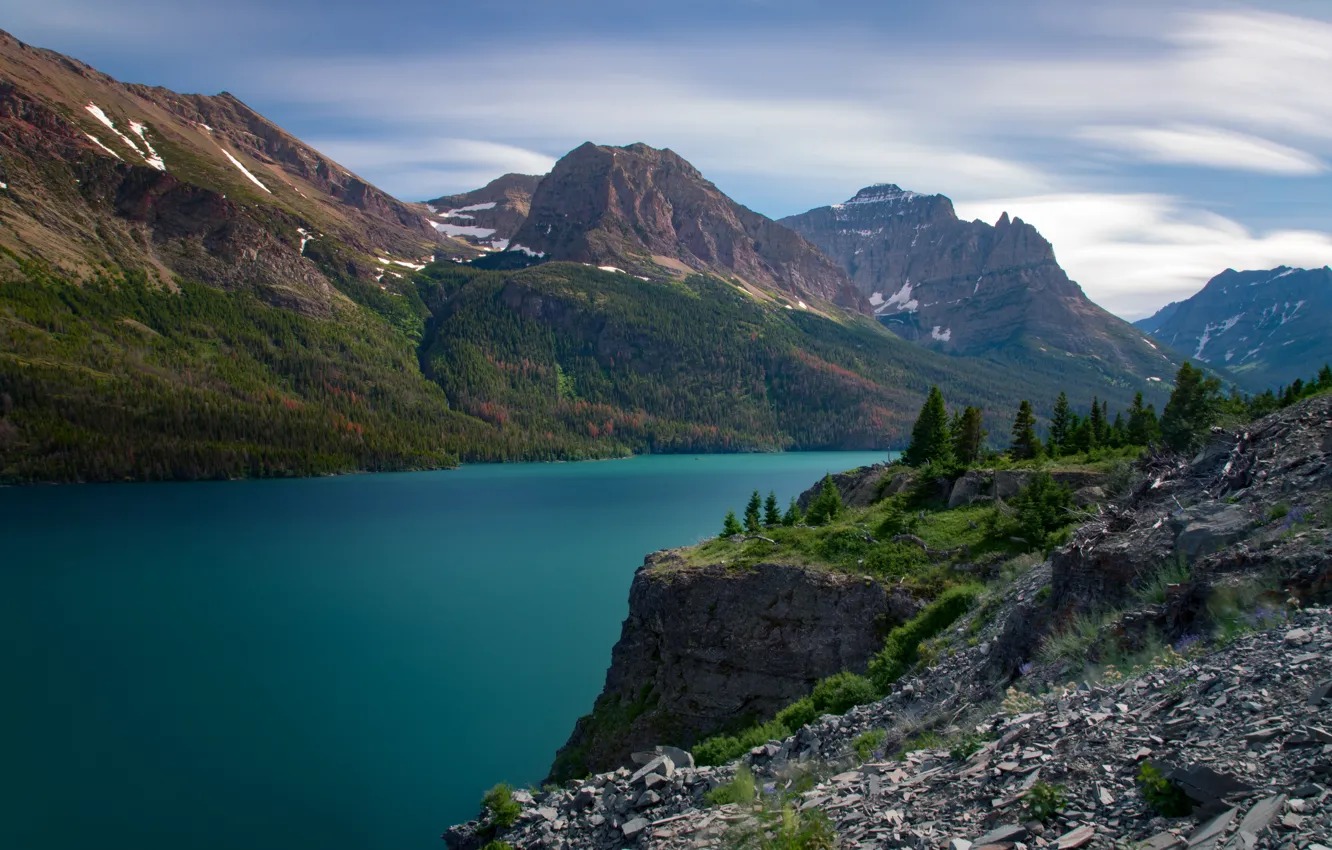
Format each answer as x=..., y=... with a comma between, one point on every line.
x=1206, y=146
x=1134, y=253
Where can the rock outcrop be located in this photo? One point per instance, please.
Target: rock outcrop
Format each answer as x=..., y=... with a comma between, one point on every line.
x=487, y=217
x=1265, y=327
x=649, y=212
x=1236, y=721
x=704, y=648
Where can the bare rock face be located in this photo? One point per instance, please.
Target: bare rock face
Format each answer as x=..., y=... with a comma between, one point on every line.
x=651, y=213
x=705, y=647
x=487, y=217
x=966, y=287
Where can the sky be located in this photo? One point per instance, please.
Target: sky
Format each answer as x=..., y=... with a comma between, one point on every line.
x=1154, y=143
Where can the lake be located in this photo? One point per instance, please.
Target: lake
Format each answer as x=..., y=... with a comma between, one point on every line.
x=341, y=663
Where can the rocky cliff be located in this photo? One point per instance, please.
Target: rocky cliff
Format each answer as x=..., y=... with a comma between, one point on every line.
x=967, y=287
x=705, y=648
x=1266, y=328
x=1183, y=626
x=487, y=217
x=650, y=213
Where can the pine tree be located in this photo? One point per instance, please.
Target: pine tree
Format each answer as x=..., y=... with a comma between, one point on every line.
x=731, y=526
x=969, y=438
x=1142, y=427
x=827, y=505
x=1325, y=377
x=792, y=515
x=1097, y=422
x=1061, y=422
x=771, y=515
x=1025, y=444
x=930, y=440
x=1192, y=409
x=752, y=522
x=1118, y=431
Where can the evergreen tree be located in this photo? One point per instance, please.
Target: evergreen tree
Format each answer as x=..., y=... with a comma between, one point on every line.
x=1142, y=426
x=930, y=440
x=1192, y=409
x=792, y=515
x=1118, y=431
x=731, y=526
x=752, y=521
x=969, y=437
x=827, y=505
x=1061, y=422
x=1025, y=444
x=1097, y=422
x=771, y=515
x=1325, y=377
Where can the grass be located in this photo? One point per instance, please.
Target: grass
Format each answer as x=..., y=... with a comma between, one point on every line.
x=738, y=790
x=866, y=743
x=1073, y=642
x=901, y=650
x=1155, y=588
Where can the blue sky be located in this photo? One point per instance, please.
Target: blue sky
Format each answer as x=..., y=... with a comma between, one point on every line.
x=1154, y=143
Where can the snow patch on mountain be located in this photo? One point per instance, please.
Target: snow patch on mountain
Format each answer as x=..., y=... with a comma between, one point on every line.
x=528, y=251
x=99, y=144
x=462, y=230
x=152, y=157
x=876, y=299
x=902, y=298
x=488, y=205
x=941, y=335
x=244, y=170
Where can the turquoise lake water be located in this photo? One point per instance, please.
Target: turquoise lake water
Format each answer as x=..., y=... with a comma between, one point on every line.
x=336, y=663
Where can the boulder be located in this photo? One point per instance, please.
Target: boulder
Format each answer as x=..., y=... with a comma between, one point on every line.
x=1208, y=527
x=661, y=765
x=972, y=487
x=1088, y=496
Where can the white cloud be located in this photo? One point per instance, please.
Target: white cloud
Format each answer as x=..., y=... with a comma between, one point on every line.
x=1134, y=253
x=1207, y=146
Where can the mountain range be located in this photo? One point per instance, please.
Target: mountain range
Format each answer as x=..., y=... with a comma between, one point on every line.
x=1266, y=328
x=188, y=291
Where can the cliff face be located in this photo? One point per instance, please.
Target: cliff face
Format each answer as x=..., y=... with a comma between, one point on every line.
x=705, y=647
x=651, y=213
x=487, y=217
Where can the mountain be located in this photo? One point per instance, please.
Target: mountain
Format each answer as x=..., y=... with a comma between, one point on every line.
x=487, y=217
x=202, y=187
x=1267, y=328
x=650, y=213
x=969, y=288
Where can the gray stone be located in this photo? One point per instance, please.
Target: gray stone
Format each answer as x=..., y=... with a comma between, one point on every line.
x=634, y=827
x=681, y=758
x=647, y=799
x=1208, y=834
x=959, y=844
x=583, y=799
x=1258, y=818
x=1007, y=833
x=1204, y=785
x=1163, y=841
x=660, y=765
x=1211, y=526
x=1088, y=496
x=1322, y=693
x=1076, y=838
x=969, y=489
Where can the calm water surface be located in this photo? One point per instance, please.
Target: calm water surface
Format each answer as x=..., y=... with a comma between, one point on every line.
x=325, y=663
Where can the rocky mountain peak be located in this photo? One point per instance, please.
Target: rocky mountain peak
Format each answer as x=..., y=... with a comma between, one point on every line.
x=969, y=287
x=651, y=213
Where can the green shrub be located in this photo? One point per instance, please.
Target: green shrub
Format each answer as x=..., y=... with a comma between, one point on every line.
x=498, y=845
x=1043, y=801
x=827, y=505
x=867, y=742
x=1073, y=642
x=1279, y=511
x=721, y=749
x=966, y=745
x=901, y=649
x=799, y=713
x=500, y=807
x=1042, y=508
x=738, y=790
x=784, y=828
x=842, y=692
x=1162, y=794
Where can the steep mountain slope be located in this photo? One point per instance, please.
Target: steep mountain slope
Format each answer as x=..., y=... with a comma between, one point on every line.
x=97, y=171
x=652, y=214
x=487, y=217
x=971, y=288
x=1266, y=327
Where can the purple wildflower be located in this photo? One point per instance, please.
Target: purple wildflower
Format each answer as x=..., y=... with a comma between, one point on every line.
x=770, y=788
x=1187, y=643
x=1026, y=668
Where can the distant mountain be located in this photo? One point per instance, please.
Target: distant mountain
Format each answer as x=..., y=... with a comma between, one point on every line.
x=487, y=217
x=969, y=288
x=650, y=213
x=1266, y=328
